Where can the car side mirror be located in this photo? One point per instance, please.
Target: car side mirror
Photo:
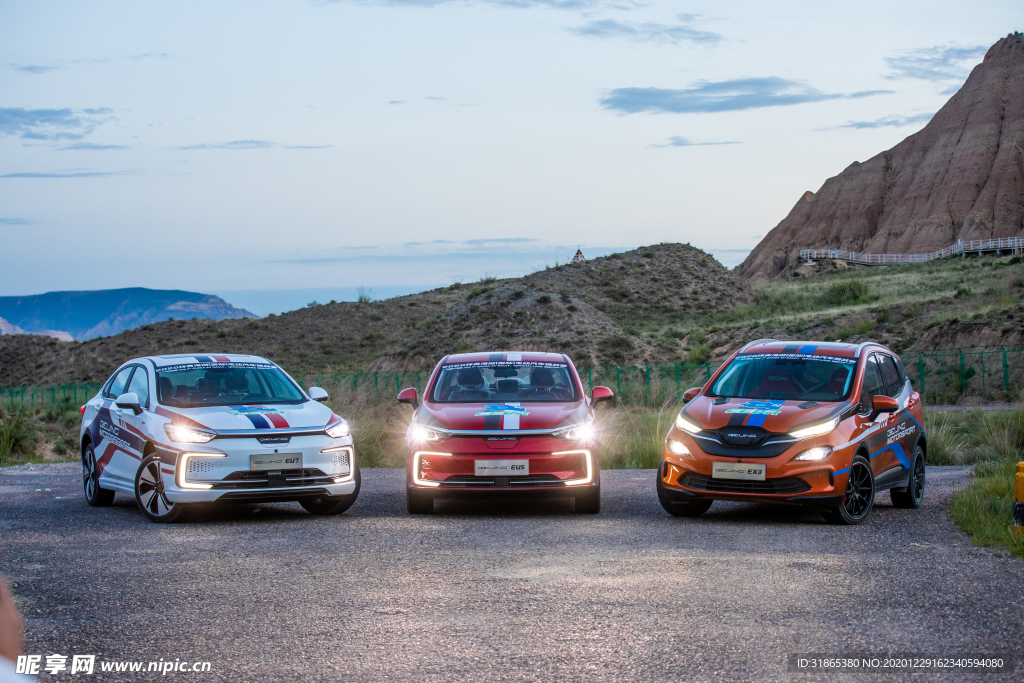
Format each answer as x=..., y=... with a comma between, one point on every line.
x=600, y=394
x=882, y=404
x=410, y=396
x=129, y=401
x=317, y=394
x=690, y=394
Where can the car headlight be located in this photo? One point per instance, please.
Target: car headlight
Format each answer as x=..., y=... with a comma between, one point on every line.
x=423, y=434
x=819, y=453
x=575, y=433
x=338, y=429
x=677, y=447
x=815, y=430
x=686, y=425
x=186, y=434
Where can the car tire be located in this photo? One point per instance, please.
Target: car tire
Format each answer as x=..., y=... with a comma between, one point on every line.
x=589, y=503
x=860, y=495
x=910, y=498
x=333, y=505
x=149, y=493
x=417, y=503
x=678, y=506
x=95, y=495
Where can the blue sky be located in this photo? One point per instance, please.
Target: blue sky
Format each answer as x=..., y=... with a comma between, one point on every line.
x=321, y=146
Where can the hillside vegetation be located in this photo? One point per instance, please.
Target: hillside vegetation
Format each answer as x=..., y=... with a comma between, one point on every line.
x=607, y=310
x=667, y=303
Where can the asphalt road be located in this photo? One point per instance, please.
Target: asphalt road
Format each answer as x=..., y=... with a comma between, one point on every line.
x=489, y=592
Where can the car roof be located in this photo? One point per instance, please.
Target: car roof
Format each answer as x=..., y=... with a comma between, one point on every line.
x=810, y=348
x=202, y=358
x=505, y=357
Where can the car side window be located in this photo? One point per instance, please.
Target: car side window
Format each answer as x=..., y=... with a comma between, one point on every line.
x=890, y=375
x=872, y=383
x=140, y=386
x=117, y=385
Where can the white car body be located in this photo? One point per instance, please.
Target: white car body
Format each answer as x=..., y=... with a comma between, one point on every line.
x=271, y=452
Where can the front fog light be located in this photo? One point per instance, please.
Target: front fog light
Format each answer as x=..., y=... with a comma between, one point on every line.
x=819, y=453
x=677, y=448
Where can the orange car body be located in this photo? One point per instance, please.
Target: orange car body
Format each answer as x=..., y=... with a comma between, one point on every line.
x=750, y=449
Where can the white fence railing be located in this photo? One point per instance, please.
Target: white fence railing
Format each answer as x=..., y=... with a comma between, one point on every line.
x=1015, y=244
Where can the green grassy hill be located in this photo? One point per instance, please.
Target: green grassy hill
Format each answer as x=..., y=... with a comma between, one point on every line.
x=600, y=311
x=657, y=304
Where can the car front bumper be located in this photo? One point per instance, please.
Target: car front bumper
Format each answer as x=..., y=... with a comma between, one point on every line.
x=566, y=472
x=310, y=466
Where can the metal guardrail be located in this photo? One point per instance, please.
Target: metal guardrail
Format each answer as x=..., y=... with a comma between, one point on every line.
x=1014, y=244
x=943, y=376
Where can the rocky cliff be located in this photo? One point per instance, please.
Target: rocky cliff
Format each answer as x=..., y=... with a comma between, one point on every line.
x=961, y=177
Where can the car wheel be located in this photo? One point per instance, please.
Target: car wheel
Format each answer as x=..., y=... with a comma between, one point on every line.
x=94, y=494
x=911, y=497
x=589, y=503
x=417, y=503
x=149, y=493
x=332, y=505
x=860, y=495
x=678, y=506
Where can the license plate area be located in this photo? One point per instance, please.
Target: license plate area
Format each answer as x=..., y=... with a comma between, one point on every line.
x=501, y=468
x=266, y=462
x=738, y=470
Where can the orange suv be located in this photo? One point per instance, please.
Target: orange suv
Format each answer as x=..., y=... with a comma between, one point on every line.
x=815, y=423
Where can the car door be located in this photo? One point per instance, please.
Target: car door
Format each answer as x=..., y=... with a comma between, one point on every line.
x=106, y=432
x=900, y=428
x=874, y=385
x=127, y=431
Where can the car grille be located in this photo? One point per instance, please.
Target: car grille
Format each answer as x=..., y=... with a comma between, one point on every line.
x=259, y=480
x=469, y=480
x=784, y=486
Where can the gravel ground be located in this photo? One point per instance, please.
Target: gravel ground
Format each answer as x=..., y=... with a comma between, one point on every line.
x=501, y=592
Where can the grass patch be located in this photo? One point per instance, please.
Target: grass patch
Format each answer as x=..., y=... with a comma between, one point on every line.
x=634, y=436
x=993, y=441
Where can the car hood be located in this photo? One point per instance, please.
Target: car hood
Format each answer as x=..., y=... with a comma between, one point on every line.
x=772, y=415
x=490, y=416
x=274, y=416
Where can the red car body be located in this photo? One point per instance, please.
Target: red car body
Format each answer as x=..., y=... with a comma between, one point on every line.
x=469, y=445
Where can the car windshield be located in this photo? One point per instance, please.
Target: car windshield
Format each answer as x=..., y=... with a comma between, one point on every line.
x=784, y=376
x=505, y=381
x=221, y=384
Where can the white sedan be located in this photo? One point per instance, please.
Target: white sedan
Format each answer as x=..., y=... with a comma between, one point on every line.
x=181, y=429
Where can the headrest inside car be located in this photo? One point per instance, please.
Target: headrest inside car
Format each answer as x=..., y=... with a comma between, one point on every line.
x=236, y=381
x=507, y=386
x=469, y=377
x=542, y=377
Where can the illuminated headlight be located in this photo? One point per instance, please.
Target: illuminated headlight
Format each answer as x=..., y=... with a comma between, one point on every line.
x=186, y=434
x=677, y=448
x=419, y=433
x=575, y=433
x=819, y=453
x=686, y=425
x=815, y=430
x=338, y=429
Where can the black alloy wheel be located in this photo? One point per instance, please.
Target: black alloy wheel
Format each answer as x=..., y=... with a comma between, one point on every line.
x=859, y=497
x=150, y=494
x=95, y=495
x=910, y=498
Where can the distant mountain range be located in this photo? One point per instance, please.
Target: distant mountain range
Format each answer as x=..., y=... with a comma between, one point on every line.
x=105, y=312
